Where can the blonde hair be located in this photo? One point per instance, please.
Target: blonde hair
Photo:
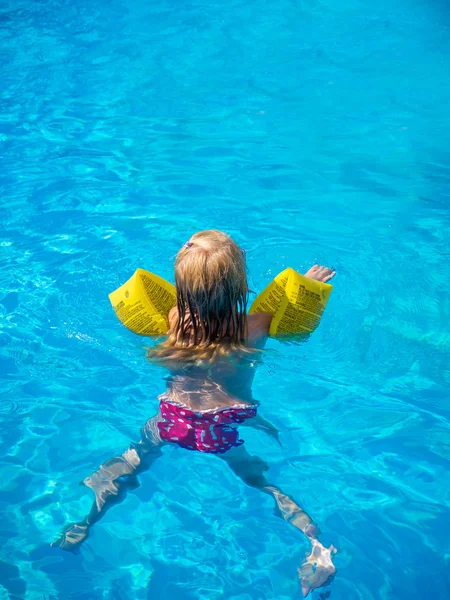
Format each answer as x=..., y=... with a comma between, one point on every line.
x=212, y=293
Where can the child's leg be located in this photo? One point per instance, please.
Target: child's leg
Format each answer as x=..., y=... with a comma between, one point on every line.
x=251, y=469
x=111, y=482
x=318, y=568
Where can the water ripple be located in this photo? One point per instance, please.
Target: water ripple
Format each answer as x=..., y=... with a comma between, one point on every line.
x=309, y=132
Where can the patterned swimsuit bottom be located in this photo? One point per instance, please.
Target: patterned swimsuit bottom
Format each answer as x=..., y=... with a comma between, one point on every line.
x=211, y=431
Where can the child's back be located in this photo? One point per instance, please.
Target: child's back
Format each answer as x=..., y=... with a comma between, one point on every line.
x=227, y=381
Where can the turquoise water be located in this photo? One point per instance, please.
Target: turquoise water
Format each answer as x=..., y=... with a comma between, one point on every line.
x=311, y=132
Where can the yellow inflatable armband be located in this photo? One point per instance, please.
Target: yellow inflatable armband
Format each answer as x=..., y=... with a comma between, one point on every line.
x=295, y=302
x=143, y=303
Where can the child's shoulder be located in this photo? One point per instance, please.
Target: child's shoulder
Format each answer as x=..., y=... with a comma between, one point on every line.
x=258, y=324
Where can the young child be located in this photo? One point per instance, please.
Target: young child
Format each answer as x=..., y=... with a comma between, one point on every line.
x=210, y=351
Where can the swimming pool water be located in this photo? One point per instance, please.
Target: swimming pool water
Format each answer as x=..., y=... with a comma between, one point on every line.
x=312, y=131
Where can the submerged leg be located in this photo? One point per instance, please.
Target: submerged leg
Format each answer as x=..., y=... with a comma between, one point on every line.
x=318, y=568
x=111, y=482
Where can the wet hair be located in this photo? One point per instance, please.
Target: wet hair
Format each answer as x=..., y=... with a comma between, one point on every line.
x=212, y=294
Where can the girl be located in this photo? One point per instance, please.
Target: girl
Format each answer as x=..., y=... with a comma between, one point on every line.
x=210, y=351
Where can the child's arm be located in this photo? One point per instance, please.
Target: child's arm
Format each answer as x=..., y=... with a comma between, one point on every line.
x=259, y=323
x=262, y=424
x=258, y=329
x=173, y=315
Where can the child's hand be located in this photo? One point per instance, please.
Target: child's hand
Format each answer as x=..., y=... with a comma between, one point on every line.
x=318, y=569
x=319, y=273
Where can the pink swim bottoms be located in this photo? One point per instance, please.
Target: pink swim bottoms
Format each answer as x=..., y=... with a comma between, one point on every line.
x=210, y=431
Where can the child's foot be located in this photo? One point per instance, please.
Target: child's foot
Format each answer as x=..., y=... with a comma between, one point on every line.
x=318, y=569
x=319, y=273
x=72, y=537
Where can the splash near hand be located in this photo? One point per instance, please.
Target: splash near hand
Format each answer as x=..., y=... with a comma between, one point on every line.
x=318, y=568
